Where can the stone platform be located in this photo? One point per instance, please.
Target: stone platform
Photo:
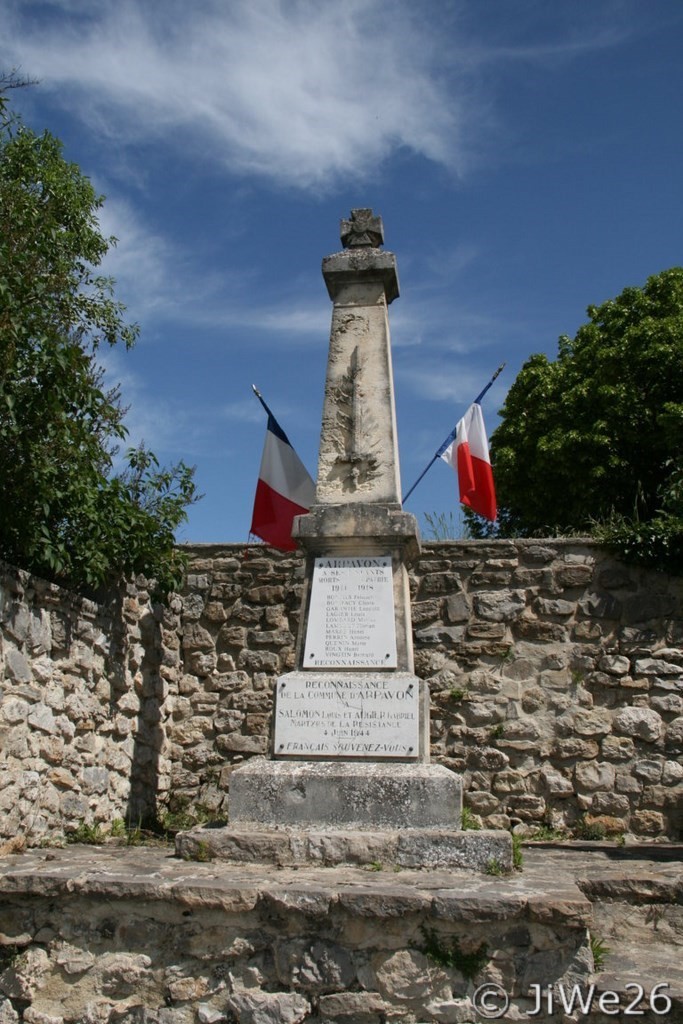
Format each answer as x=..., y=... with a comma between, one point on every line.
x=122, y=935
x=137, y=936
x=335, y=813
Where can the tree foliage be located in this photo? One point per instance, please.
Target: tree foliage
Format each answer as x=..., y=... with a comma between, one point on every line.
x=63, y=513
x=596, y=436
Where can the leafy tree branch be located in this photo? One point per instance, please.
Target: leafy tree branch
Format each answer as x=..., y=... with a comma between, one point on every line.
x=64, y=513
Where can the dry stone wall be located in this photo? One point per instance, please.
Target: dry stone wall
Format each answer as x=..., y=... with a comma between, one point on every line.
x=556, y=678
x=81, y=708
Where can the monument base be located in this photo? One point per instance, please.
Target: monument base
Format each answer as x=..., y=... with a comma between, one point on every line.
x=330, y=813
x=485, y=851
x=340, y=794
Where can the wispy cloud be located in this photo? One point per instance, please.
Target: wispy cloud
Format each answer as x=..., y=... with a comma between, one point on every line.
x=300, y=92
x=160, y=282
x=442, y=380
x=151, y=418
x=146, y=266
x=248, y=410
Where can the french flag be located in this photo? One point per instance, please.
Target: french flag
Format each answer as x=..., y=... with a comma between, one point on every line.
x=284, y=488
x=468, y=454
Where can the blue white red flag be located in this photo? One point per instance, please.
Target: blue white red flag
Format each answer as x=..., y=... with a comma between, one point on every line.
x=284, y=488
x=468, y=454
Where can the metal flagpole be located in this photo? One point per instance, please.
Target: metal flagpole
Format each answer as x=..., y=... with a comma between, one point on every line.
x=261, y=399
x=451, y=436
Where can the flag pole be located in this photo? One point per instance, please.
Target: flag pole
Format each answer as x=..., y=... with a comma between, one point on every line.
x=261, y=399
x=451, y=436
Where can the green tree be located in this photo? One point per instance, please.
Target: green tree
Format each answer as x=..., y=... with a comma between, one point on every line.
x=63, y=514
x=596, y=436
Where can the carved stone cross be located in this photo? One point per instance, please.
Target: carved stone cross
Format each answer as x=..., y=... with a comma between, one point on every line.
x=362, y=229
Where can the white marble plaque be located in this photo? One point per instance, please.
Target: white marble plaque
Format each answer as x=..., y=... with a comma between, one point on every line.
x=351, y=614
x=359, y=715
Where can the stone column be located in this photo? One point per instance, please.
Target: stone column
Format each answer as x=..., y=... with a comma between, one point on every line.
x=358, y=493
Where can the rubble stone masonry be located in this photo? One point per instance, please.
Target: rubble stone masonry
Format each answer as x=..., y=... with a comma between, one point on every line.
x=555, y=672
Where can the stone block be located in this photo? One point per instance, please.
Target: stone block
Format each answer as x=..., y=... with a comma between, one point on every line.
x=318, y=966
x=657, y=667
x=255, y=1007
x=573, y=575
x=352, y=1007
x=385, y=795
x=594, y=775
x=614, y=804
x=500, y=606
x=408, y=975
x=17, y=666
x=643, y=723
x=617, y=748
x=615, y=664
x=471, y=849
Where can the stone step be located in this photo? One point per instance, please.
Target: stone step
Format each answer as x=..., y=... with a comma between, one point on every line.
x=488, y=851
x=636, y=894
x=655, y=969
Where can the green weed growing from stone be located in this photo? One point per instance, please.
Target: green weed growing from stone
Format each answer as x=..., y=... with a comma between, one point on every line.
x=517, y=855
x=91, y=835
x=469, y=964
x=8, y=955
x=182, y=816
x=591, y=831
x=468, y=821
x=600, y=952
x=494, y=868
x=201, y=853
x=458, y=694
x=548, y=834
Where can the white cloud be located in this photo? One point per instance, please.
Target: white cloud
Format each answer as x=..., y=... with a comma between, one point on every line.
x=160, y=282
x=150, y=418
x=143, y=263
x=442, y=380
x=248, y=410
x=298, y=91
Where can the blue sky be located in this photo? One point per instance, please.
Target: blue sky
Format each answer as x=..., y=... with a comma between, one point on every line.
x=526, y=157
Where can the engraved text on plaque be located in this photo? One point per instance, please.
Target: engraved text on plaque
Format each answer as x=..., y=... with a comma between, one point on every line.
x=351, y=617
x=361, y=715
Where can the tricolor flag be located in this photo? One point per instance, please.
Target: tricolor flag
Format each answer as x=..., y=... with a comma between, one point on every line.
x=284, y=488
x=468, y=454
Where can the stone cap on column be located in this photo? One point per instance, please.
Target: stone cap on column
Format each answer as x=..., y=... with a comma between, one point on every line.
x=358, y=524
x=356, y=266
x=361, y=260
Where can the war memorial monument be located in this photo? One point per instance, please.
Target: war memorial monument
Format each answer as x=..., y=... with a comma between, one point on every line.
x=349, y=772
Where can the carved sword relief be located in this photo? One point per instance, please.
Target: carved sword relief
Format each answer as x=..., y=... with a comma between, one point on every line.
x=360, y=460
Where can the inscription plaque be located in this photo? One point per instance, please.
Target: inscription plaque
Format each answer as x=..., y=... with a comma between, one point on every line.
x=351, y=615
x=362, y=715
